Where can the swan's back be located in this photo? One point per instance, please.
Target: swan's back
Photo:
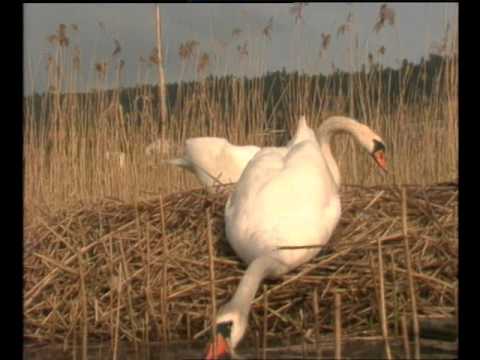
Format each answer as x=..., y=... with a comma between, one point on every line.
x=285, y=197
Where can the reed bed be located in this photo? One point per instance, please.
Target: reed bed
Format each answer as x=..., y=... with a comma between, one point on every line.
x=97, y=270
x=230, y=90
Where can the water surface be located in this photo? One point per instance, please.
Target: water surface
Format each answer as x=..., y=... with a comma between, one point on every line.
x=358, y=349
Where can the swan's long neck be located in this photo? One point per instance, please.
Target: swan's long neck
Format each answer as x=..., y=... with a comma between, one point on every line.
x=241, y=301
x=257, y=270
x=329, y=127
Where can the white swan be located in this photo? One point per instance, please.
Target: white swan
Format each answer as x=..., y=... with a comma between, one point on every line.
x=214, y=160
x=285, y=197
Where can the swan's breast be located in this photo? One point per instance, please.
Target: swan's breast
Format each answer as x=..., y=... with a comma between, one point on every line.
x=283, y=198
x=253, y=236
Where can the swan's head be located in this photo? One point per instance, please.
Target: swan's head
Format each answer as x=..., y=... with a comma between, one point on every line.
x=373, y=143
x=231, y=326
x=378, y=154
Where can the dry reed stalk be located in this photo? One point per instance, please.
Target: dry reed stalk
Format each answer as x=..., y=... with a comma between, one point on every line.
x=316, y=324
x=189, y=327
x=338, y=326
x=161, y=74
x=211, y=256
x=375, y=286
x=146, y=331
x=257, y=344
x=411, y=285
x=73, y=319
x=395, y=293
x=117, y=322
x=83, y=293
x=265, y=322
x=415, y=274
x=111, y=292
x=147, y=280
x=382, y=307
x=302, y=331
x=406, y=340
x=95, y=303
x=129, y=297
x=165, y=322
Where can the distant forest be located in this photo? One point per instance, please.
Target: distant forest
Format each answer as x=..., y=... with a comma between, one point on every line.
x=409, y=84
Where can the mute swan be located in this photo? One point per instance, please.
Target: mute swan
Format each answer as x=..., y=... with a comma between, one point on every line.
x=214, y=160
x=285, y=197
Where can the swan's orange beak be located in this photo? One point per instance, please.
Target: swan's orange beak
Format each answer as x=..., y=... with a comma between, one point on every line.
x=218, y=349
x=379, y=157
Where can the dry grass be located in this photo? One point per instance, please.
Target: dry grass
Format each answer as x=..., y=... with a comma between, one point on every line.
x=99, y=255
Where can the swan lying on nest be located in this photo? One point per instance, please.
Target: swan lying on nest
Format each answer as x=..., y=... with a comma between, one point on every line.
x=285, y=197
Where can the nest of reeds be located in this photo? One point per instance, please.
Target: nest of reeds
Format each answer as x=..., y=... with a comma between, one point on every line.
x=115, y=270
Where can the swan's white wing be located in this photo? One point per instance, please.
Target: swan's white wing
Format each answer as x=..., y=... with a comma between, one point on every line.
x=215, y=158
x=205, y=150
x=236, y=159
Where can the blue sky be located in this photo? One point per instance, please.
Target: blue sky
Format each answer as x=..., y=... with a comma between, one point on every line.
x=293, y=46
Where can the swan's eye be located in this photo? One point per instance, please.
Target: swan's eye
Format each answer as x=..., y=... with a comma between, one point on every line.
x=225, y=328
x=228, y=323
x=378, y=146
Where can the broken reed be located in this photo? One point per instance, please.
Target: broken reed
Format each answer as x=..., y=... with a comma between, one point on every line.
x=338, y=326
x=265, y=322
x=411, y=283
x=382, y=307
x=316, y=328
x=211, y=267
x=406, y=340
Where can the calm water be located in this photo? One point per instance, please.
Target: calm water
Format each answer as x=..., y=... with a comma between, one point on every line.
x=351, y=350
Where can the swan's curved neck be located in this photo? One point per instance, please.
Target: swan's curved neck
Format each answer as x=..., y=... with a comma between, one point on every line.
x=329, y=127
x=250, y=282
x=238, y=308
x=256, y=272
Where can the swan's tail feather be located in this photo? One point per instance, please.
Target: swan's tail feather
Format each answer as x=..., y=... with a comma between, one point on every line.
x=302, y=129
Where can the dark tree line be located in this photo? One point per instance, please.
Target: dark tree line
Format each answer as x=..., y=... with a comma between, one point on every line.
x=409, y=84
